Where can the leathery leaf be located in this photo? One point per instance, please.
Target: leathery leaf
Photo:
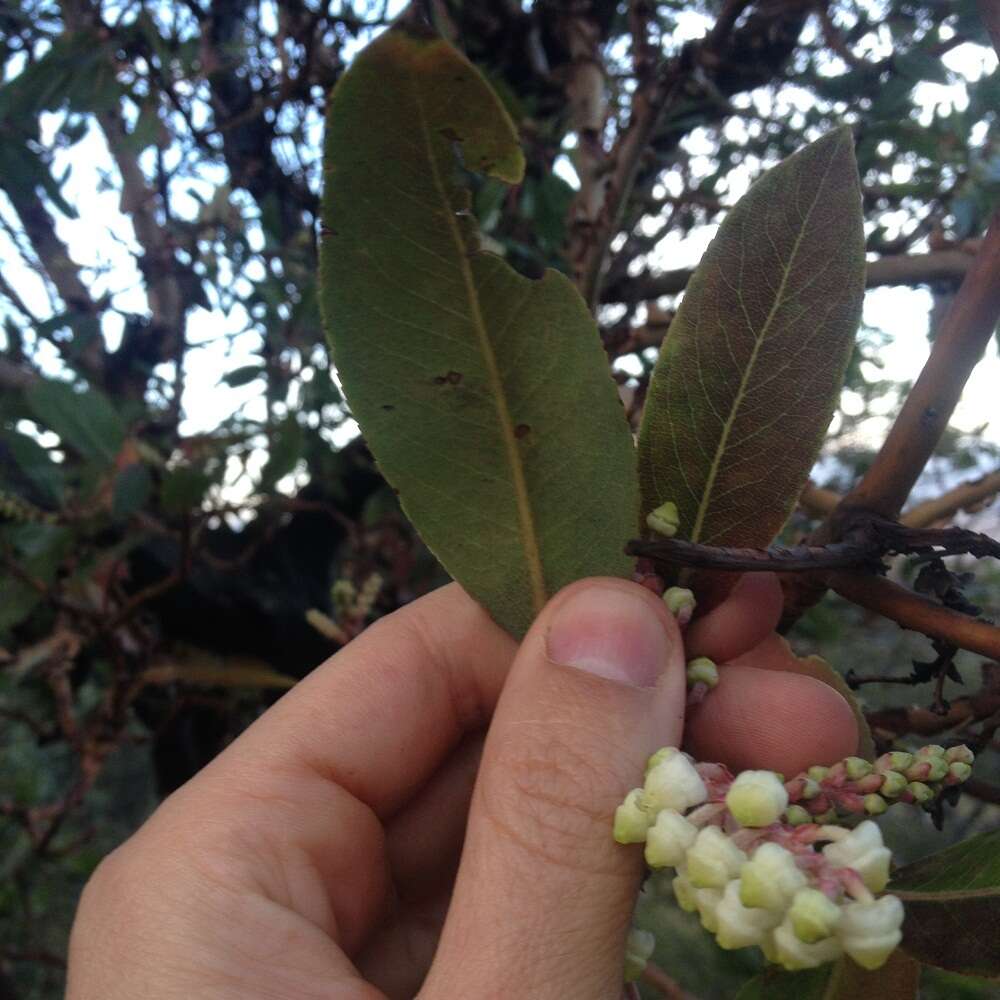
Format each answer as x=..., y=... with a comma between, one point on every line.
x=485, y=397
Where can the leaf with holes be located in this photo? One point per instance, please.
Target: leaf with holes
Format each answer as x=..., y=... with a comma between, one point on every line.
x=748, y=377
x=952, y=902
x=485, y=396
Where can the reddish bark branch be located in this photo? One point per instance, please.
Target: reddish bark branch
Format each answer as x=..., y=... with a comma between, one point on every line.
x=911, y=611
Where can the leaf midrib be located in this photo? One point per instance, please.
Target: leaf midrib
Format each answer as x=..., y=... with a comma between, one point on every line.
x=946, y=895
x=525, y=514
x=730, y=421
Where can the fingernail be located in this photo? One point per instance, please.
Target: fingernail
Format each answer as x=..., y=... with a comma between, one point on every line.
x=610, y=632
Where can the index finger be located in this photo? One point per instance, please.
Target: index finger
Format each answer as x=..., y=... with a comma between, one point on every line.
x=379, y=717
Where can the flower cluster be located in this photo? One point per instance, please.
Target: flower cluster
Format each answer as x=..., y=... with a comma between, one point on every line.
x=772, y=863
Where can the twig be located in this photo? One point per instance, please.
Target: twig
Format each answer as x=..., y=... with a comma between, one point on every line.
x=654, y=976
x=962, y=497
x=911, y=611
x=964, y=334
x=817, y=501
x=982, y=790
x=793, y=559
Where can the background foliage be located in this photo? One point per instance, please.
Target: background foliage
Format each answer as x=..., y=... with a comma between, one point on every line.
x=188, y=522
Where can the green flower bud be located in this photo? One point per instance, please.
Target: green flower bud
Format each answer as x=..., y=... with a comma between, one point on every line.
x=638, y=950
x=702, y=670
x=898, y=760
x=757, y=798
x=668, y=839
x=741, y=926
x=959, y=771
x=673, y=783
x=665, y=520
x=793, y=953
x=796, y=816
x=863, y=850
x=921, y=793
x=713, y=859
x=770, y=878
x=812, y=915
x=632, y=819
x=680, y=602
x=869, y=932
x=818, y=773
x=707, y=902
x=960, y=755
x=930, y=751
x=939, y=768
x=830, y=816
x=665, y=753
x=857, y=767
x=684, y=893
x=893, y=784
x=810, y=789
x=875, y=805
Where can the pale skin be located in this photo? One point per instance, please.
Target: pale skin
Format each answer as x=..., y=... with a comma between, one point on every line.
x=429, y=812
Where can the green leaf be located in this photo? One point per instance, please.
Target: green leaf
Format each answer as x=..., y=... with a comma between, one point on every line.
x=485, y=396
x=243, y=375
x=36, y=464
x=898, y=979
x=952, y=902
x=85, y=421
x=133, y=486
x=751, y=369
x=184, y=488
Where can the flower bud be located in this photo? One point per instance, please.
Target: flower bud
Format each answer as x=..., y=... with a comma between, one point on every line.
x=817, y=772
x=869, y=932
x=684, y=893
x=893, y=784
x=810, y=789
x=707, y=901
x=794, y=953
x=898, y=760
x=770, y=878
x=863, y=850
x=638, y=950
x=921, y=793
x=632, y=819
x=875, y=805
x=702, y=670
x=673, y=783
x=812, y=915
x=757, y=798
x=930, y=751
x=959, y=772
x=857, y=767
x=713, y=859
x=741, y=926
x=960, y=755
x=796, y=816
x=664, y=753
x=668, y=839
x=680, y=603
x=665, y=520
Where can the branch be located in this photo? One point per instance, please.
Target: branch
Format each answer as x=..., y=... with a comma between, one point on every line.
x=964, y=334
x=792, y=559
x=962, y=497
x=817, y=501
x=911, y=611
x=902, y=269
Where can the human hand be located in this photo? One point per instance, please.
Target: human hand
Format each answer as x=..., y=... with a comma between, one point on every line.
x=318, y=856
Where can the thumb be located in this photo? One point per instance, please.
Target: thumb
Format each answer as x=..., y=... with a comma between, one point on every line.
x=543, y=897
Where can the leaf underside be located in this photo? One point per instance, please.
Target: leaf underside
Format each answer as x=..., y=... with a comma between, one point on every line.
x=485, y=397
x=952, y=902
x=752, y=366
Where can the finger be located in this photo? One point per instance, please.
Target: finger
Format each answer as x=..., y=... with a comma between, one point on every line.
x=777, y=720
x=378, y=718
x=740, y=622
x=543, y=896
x=424, y=839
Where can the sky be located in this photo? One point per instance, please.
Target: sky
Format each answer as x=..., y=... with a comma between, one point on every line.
x=101, y=238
